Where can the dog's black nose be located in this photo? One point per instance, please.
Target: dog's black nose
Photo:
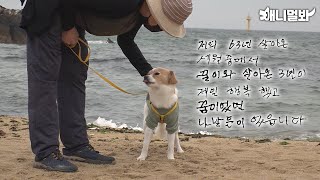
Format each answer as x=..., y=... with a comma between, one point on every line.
x=146, y=79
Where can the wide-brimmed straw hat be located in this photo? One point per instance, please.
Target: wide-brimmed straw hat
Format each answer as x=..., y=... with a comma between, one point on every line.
x=170, y=15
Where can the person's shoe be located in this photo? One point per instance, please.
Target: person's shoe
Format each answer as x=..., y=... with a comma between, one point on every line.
x=55, y=162
x=87, y=154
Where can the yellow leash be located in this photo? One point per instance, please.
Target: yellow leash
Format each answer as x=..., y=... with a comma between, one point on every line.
x=162, y=116
x=96, y=72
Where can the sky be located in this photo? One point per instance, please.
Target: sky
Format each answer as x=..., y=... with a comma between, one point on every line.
x=231, y=14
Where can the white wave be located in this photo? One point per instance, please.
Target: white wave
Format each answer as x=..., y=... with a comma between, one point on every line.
x=200, y=132
x=205, y=133
x=102, y=122
x=97, y=42
x=123, y=126
x=137, y=128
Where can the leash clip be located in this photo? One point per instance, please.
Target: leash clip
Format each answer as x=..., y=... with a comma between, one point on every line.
x=162, y=119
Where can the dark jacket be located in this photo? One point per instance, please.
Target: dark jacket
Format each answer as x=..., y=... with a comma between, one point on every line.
x=37, y=15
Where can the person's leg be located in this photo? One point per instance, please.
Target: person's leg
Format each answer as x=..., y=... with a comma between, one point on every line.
x=71, y=98
x=71, y=105
x=43, y=64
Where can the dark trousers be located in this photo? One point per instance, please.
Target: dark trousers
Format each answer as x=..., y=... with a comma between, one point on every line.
x=56, y=93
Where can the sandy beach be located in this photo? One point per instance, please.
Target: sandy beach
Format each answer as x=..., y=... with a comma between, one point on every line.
x=204, y=157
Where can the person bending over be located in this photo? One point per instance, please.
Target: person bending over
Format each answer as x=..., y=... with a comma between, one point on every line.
x=56, y=79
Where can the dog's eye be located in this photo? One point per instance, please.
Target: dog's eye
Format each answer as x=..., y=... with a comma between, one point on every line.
x=157, y=73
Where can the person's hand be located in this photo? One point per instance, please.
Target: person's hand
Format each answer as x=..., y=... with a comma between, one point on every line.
x=70, y=37
x=150, y=71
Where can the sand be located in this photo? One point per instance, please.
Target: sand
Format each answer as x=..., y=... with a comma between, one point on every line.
x=204, y=157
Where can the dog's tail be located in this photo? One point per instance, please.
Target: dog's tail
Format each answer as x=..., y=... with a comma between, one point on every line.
x=161, y=131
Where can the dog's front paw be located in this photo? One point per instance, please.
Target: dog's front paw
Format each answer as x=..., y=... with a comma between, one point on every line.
x=179, y=150
x=170, y=156
x=141, y=158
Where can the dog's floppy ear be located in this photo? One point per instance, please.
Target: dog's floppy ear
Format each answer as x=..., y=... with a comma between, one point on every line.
x=172, y=78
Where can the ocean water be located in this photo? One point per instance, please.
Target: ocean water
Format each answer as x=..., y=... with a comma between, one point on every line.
x=299, y=97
